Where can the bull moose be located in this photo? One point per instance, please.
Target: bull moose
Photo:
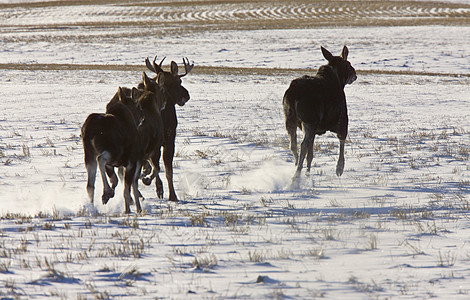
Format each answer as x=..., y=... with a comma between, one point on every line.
x=317, y=104
x=169, y=84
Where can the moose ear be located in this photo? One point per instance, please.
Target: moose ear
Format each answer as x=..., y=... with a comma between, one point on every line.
x=174, y=69
x=326, y=54
x=135, y=94
x=121, y=94
x=145, y=79
x=344, y=54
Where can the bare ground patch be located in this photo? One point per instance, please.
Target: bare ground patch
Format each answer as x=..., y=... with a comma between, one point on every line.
x=211, y=70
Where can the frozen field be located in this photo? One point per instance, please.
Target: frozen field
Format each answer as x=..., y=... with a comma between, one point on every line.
x=395, y=225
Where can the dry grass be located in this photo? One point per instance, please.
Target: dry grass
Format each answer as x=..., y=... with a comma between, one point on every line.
x=210, y=70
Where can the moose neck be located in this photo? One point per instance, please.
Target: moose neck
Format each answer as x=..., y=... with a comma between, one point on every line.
x=169, y=99
x=169, y=114
x=329, y=71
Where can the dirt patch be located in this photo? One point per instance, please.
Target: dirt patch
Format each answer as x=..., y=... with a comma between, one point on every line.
x=210, y=70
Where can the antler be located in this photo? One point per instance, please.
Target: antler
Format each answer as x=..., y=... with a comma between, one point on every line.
x=149, y=64
x=152, y=66
x=187, y=67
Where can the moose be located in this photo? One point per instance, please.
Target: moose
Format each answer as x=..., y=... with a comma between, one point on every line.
x=318, y=104
x=111, y=140
x=151, y=130
x=126, y=136
x=169, y=85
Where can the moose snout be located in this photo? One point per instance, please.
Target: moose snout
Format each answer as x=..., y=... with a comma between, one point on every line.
x=183, y=101
x=352, y=76
x=184, y=97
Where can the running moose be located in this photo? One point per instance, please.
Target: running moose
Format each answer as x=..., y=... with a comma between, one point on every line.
x=318, y=104
x=170, y=86
x=137, y=123
x=111, y=140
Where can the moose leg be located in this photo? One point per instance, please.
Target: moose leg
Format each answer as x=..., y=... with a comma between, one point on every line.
x=310, y=153
x=168, y=152
x=91, y=170
x=136, y=196
x=127, y=197
x=108, y=192
x=129, y=181
x=309, y=135
x=112, y=176
x=146, y=170
x=156, y=170
x=135, y=188
x=292, y=131
x=340, y=164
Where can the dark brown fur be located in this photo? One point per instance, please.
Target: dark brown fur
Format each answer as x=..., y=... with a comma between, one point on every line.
x=111, y=140
x=151, y=133
x=318, y=104
x=169, y=85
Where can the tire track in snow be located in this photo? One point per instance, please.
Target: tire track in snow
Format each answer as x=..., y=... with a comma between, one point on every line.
x=239, y=14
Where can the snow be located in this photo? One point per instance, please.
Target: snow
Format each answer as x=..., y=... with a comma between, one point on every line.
x=395, y=225
x=397, y=48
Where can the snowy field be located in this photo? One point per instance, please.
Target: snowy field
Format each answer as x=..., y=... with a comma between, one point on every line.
x=396, y=225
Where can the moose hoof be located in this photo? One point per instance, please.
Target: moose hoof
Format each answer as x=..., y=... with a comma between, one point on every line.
x=295, y=183
x=106, y=196
x=160, y=192
x=297, y=174
x=173, y=198
x=147, y=180
x=339, y=170
x=307, y=172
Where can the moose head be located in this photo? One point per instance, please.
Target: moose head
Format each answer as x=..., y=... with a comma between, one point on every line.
x=170, y=82
x=345, y=72
x=149, y=87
